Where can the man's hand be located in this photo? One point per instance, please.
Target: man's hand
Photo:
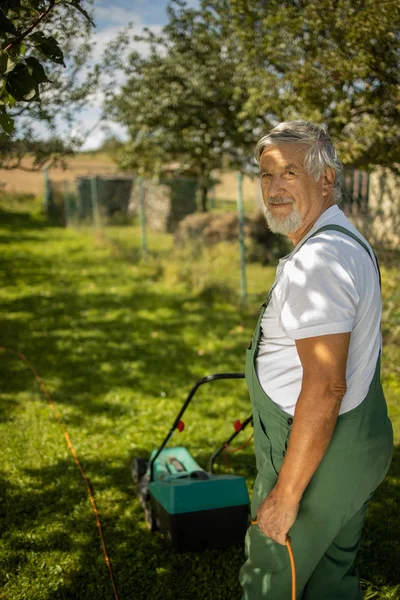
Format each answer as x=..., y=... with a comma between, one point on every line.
x=276, y=515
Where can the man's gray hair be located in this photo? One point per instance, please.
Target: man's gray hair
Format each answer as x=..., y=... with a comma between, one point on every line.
x=320, y=153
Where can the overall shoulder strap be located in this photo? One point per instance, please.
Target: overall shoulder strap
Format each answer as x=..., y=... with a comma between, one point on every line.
x=355, y=237
x=341, y=230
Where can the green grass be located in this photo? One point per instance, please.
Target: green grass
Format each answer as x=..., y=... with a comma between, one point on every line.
x=118, y=343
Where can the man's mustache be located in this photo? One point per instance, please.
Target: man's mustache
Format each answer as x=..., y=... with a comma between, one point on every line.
x=280, y=200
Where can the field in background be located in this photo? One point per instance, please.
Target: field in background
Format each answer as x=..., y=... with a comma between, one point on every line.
x=118, y=342
x=27, y=182
x=23, y=181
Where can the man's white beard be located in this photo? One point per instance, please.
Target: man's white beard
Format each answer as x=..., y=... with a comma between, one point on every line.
x=283, y=225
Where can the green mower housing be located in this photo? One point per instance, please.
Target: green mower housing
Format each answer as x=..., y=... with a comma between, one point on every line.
x=194, y=509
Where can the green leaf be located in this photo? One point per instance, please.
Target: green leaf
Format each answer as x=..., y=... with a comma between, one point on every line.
x=6, y=123
x=5, y=24
x=53, y=53
x=76, y=4
x=3, y=61
x=15, y=49
x=21, y=85
x=48, y=47
x=37, y=36
x=13, y=4
x=36, y=70
x=11, y=64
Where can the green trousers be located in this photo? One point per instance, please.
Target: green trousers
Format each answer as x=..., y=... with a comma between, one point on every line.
x=326, y=535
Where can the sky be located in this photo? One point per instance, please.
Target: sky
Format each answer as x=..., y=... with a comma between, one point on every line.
x=110, y=18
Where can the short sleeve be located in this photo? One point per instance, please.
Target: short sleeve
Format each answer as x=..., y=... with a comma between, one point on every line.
x=318, y=295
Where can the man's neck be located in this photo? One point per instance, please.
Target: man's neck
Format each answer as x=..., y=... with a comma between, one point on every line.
x=298, y=235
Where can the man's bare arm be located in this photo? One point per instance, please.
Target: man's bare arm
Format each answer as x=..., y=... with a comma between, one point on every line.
x=324, y=360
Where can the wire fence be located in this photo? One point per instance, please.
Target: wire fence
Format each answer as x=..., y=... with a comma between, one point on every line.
x=171, y=205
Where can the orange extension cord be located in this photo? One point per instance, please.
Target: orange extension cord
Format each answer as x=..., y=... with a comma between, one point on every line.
x=74, y=454
x=232, y=450
x=292, y=563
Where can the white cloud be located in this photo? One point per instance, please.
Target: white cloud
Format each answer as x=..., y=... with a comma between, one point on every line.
x=93, y=141
x=116, y=14
x=103, y=38
x=98, y=135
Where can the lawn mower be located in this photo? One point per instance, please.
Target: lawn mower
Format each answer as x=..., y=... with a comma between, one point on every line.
x=193, y=508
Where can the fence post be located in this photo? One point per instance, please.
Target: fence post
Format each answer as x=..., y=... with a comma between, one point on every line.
x=67, y=204
x=95, y=203
x=240, y=211
x=212, y=197
x=367, y=191
x=142, y=215
x=46, y=191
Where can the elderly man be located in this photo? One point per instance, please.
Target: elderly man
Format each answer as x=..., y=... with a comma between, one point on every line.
x=323, y=440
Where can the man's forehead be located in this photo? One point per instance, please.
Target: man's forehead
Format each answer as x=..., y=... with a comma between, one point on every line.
x=284, y=156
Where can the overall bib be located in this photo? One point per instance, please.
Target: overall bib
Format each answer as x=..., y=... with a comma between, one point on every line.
x=326, y=535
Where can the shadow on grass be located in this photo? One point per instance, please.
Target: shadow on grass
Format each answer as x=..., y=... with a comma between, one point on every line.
x=90, y=342
x=143, y=339
x=70, y=339
x=49, y=524
x=48, y=517
x=20, y=220
x=7, y=406
x=378, y=559
x=54, y=514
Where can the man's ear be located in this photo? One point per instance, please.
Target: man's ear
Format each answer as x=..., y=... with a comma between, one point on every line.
x=328, y=181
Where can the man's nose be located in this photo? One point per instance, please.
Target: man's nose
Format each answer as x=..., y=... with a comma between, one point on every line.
x=276, y=187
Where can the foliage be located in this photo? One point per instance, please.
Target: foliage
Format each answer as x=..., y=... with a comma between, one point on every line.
x=110, y=146
x=118, y=343
x=12, y=153
x=219, y=76
x=182, y=103
x=44, y=46
x=335, y=62
x=23, y=50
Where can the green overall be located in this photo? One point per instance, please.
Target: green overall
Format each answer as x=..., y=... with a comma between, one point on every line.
x=326, y=534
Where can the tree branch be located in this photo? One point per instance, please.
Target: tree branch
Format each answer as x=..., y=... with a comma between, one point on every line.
x=32, y=27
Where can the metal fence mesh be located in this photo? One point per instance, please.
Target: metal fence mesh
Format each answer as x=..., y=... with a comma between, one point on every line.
x=170, y=206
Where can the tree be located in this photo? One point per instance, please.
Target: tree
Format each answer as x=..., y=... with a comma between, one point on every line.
x=333, y=61
x=220, y=76
x=182, y=103
x=111, y=145
x=37, y=82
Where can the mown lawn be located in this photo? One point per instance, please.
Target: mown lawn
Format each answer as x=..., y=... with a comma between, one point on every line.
x=118, y=343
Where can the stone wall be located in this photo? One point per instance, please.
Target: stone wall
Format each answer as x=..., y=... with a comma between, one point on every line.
x=381, y=224
x=167, y=202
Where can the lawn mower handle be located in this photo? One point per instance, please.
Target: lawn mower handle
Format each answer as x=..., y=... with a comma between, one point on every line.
x=227, y=442
x=192, y=392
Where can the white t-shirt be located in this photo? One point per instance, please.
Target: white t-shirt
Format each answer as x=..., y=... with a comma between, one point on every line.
x=330, y=285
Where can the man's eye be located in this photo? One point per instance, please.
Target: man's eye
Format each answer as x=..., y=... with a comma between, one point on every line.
x=291, y=173
x=266, y=176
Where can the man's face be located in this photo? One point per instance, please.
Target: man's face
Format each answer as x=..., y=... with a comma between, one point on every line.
x=293, y=199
